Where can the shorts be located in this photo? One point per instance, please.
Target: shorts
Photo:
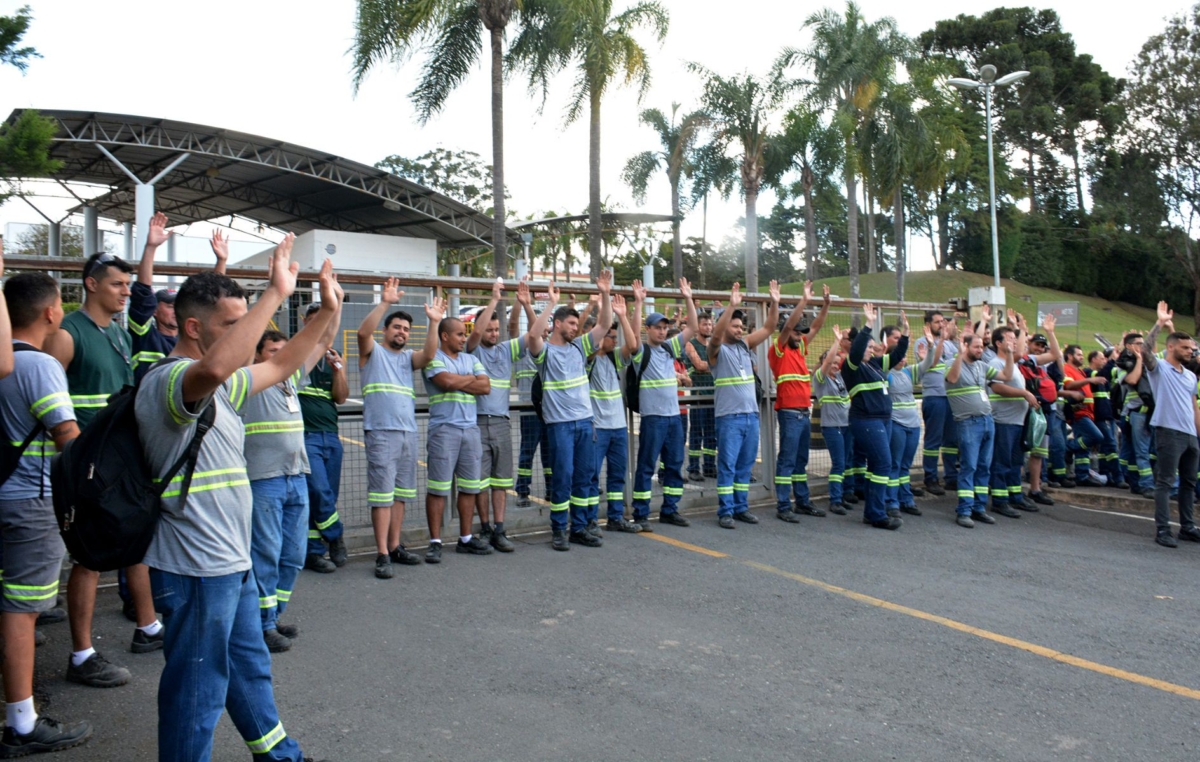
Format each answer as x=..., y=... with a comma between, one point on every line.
x=496, y=465
x=33, y=555
x=391, y=467
x=454, y=452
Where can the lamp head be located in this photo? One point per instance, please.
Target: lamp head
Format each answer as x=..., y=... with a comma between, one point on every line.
x=987, y=73
x=1012, y=77
x=963, y=84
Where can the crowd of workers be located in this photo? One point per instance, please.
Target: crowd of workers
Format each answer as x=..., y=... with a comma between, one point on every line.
x=263, y=495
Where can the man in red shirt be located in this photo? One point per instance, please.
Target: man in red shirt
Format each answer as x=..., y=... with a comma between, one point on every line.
x=793, y=408
x=1082, y=415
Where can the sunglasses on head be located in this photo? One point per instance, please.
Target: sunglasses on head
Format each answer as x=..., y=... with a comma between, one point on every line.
x=96, y=261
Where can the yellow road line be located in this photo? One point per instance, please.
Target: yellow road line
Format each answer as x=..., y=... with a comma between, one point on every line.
x=684, y=545
x=1033, y=648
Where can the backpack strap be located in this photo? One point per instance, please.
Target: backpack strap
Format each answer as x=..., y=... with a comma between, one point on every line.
x=189, y=457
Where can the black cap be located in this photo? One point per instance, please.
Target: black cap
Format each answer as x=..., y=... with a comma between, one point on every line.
x=310, y=309
x=165, y=295
x=1039, y=338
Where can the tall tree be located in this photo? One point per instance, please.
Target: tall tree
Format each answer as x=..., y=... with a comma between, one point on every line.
x=24, y=144
x=1164, y=96
x=742, y=109
x=452, y=31
x=602, y=48
x=710, y=170
x=810, y=148
x=677, y=142
x=851, y=60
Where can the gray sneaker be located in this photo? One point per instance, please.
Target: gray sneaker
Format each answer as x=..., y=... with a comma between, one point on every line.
x=97, y=672
x=965, y=521
x=47, y=735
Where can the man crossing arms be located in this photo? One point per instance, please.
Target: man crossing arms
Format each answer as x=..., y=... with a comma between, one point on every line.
x=793, y=407
x=702, y=433
x=390, y=419
x=453, y=441
x=612, y=435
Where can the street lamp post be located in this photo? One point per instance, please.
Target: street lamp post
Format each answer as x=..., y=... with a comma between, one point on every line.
x=987, y=82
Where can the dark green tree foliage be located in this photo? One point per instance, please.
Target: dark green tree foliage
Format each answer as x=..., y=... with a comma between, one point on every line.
x=24, y=144
x=462, y=175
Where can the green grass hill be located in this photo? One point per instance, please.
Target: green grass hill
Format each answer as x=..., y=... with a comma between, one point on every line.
x=1097, y=315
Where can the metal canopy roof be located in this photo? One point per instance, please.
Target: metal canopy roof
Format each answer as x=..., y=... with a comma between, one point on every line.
x=231, y=173
x=629, y=218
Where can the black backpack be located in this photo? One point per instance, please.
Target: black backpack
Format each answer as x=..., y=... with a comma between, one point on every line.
x=633, y=381
x=10, y=454
x=105, y=497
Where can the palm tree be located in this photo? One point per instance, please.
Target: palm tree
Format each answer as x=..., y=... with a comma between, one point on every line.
x=812, y=148
x=710, y=169
x=585, y=34
x=741, y=109
x=452, y=32
x=677, y=140
x=852, y=60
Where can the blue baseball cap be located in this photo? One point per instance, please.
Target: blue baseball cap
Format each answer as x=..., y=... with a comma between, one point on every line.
x=654, y=318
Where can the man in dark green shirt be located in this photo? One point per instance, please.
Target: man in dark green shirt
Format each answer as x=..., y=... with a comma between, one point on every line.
x=96, y=353
x=320, y=392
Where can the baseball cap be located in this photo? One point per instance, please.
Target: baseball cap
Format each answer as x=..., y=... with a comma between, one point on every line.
x=1039, y=338
x=165, y=295
x=310, y=309
x=654, y=318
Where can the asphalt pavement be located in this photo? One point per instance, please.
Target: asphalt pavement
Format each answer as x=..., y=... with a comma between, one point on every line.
x=1066, y=634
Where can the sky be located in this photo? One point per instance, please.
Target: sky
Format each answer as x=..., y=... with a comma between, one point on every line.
x=280, y=70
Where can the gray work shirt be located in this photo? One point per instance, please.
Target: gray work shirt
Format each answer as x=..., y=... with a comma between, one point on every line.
x=564, y=380
x=1174, y=397
x=1008, y=410
x=933, y=378
x=733, y=380
x=904, y=402
x=658, y=389
x=968, y=395
x=275, y=432
x=526, y=370
x=498, y=361
x=389, y=403
x=36, y=391
x=453, y=408
x=834, y=398
x=604, y=376
x=210, y=535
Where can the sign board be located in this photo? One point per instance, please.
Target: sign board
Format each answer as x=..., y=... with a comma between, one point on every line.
x=1065, y=313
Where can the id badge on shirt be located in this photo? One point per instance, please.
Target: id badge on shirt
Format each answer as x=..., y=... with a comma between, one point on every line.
x=984, y=395
x=884, y=389
x=293, y=403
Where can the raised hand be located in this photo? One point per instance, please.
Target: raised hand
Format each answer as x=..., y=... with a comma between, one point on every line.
x=773, y=290
x=904, y=322
x=553, y=295
x=1049, y=322
x=523, y=297
x=1012, y=317
x=157, y=235
x=639, y=291
x=594, y=300
x=735, y=296
x=808, y=292
x=219, y=243
x=391, y=291
x=283, y=270
x=618, y=304
x=604, y=282
x=870, y=312
x=950, y=329
x=985, y=314
x=837, y=333
x=435, y=311
x=922, y=351
x=331, y=290
x=498, y=290
x=1164, y=313
x=685, y=288
x=825, y=299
